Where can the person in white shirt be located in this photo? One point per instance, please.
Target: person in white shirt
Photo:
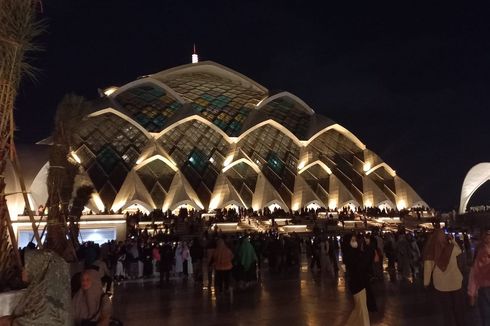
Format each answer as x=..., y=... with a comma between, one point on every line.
x=440, y=257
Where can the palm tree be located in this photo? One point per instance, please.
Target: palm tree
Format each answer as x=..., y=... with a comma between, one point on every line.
x=82, y=197
x=19, y=25
x=61, y=177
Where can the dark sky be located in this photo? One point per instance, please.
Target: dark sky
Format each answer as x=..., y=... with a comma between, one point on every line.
x=411, y=81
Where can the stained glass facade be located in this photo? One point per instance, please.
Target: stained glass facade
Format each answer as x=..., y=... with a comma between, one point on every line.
x=277, y=154
x=111, y=144
x=199, y=151
x=286, y=111
x=108, y=147
x=225, y=104
x=149, y=105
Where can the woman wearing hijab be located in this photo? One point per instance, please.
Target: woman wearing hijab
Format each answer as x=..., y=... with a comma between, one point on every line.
x=479, y=282
x=248, y=262
x=222, y=257
x=47, y=298
x=183, y=262
x=440, y=264
x=357, y=266
x=90, y=304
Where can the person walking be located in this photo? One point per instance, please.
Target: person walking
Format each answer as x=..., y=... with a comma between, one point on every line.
x=479, y=282
x=222, y=263
x=247, y=260
x=197, y=255
x=440, y=256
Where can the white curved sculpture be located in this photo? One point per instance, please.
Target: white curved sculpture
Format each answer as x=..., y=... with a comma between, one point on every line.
x=475, y=178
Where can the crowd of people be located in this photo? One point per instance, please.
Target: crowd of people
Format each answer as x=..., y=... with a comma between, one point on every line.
x=236, y=262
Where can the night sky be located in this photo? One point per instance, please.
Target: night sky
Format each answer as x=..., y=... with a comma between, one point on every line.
x=410, y=81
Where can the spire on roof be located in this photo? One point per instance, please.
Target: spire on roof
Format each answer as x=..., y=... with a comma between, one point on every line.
x=195, y=58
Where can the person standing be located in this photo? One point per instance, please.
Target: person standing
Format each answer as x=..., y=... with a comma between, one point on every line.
x=333, y=253
x=414, y=256
x=479, y=282
x=197, y=255
x=378, y=260
x=104, y=274
x=404, y=256
x=357, y=265
x=440, y=256
x=389, y=249
x=166, y=262
x=222, y=262
x=247, y=260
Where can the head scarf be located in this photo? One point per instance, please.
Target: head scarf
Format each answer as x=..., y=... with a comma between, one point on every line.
x=86, y=302
x=47, y=299
x=222, y=254
x=185, y=251
x=247, y=254
x=438, y=249
x=481, y=266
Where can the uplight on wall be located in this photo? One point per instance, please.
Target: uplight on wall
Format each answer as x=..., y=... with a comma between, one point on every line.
x=228, y=160
x=401, y=204
x=332, y=203
x=108, y=91
x=301, y=165
x=215, y=202
x=76, y=157
x=366, y=167
x=98, y=202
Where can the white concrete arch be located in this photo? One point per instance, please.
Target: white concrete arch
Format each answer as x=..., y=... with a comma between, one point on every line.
x=234, y=202
x=316, y=201
x=274, y=124
x=319, y=163
x=212, y=68
x=229, y=139
x=293, y=97
x=382, y=165
x=387, y=203
x=341, y=130
x=147, y=80
x=148, y=207
x=254, y=166
x=185, y=202
x=278, y=203
x=197, y=118
x=475, y=178
x=121, y=115
x=350, y=203
x=170, y=164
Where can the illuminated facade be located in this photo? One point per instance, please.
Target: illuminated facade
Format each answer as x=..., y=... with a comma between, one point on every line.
x=476, y=177
x=204, y=136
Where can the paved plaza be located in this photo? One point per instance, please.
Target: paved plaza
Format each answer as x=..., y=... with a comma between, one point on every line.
x=302, y=299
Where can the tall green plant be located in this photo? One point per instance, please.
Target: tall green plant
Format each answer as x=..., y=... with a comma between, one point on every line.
x=19, y=25
x=62, y=172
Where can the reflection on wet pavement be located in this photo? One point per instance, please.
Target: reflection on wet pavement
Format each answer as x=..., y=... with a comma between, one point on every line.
x=302, y=298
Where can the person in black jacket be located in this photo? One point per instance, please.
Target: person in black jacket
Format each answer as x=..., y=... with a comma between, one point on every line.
x=357, y=268
x=166, y=262
x=197, y=255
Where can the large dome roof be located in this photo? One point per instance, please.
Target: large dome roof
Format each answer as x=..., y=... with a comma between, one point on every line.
x=207, y=136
